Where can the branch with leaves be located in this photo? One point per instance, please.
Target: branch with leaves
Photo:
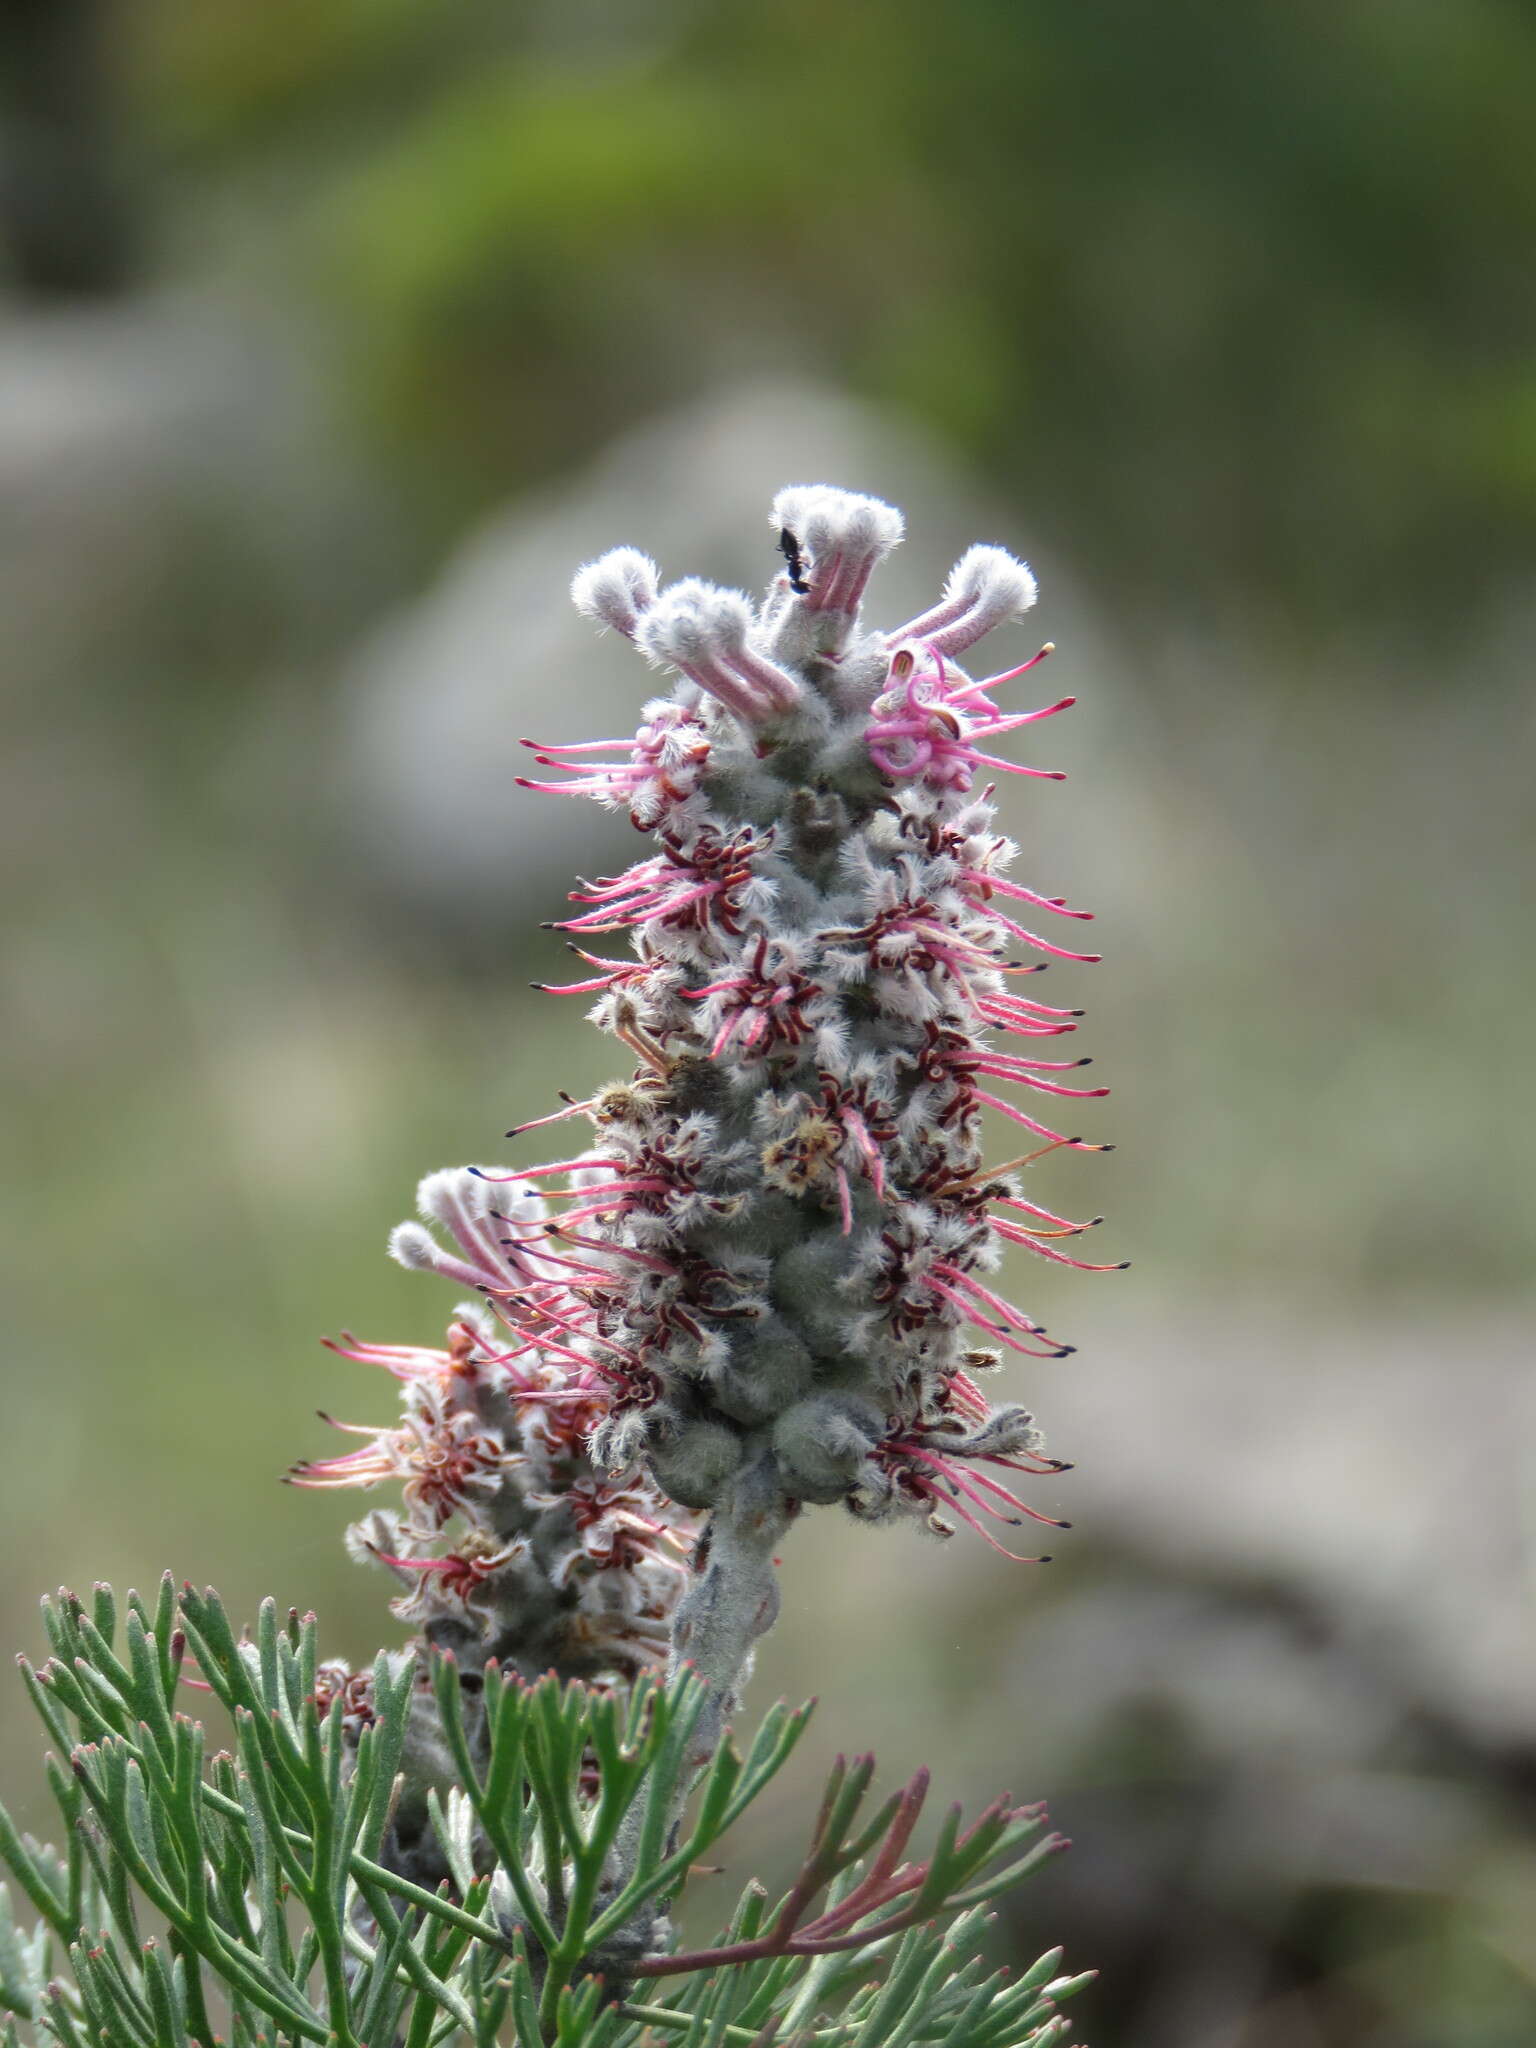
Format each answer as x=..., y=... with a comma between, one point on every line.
x=265, y=1865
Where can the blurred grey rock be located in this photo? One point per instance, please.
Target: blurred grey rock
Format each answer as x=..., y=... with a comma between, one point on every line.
x=1378, y=1475
x=134, y=433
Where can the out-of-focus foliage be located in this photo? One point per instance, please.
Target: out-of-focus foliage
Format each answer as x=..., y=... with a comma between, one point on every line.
x=1242, y=290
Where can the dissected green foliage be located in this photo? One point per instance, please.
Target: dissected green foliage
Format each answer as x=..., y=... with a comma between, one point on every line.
x=240, y=1897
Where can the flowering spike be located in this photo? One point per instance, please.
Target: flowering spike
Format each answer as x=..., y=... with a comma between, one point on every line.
x=758, y=1283
x=512, y=1545
x=779, y=1229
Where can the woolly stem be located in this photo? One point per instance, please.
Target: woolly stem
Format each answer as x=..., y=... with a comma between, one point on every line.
x=733, y=1599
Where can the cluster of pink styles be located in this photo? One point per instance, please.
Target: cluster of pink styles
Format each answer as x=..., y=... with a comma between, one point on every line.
x=767, y=1275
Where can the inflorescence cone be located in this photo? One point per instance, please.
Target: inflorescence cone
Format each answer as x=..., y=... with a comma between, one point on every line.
x=511, y=1543
x=771, y=1257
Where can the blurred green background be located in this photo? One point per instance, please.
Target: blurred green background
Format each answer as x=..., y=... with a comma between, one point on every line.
x=333, y=334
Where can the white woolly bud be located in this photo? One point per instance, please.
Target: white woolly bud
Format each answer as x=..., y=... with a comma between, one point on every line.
x=616, y=588
x=419, y=1252
x=412, y=1247
x=822, y=518
x=378, y=1535
x=792, y=509
x=992, y=581
x=693, y=620
x=726, y=617
x=845, y=535
x=986, y=587
x=451, y=1194
x=872, y=526
x=702, y=629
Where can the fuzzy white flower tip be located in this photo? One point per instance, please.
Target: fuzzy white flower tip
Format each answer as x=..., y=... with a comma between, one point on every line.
x=791, y=506
x=692, y=621
x=452, y=1189
x=413, y=1247
x=616, y=589
x=832, y=541
x=823, y=517
x=374, y=1537
x=989, y=580
x=986, y=587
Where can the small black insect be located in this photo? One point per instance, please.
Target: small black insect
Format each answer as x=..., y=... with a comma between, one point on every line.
x=794, y=559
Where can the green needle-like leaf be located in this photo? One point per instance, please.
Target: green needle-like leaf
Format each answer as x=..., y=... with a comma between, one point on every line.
x=26, y=1868
x=165, y=2004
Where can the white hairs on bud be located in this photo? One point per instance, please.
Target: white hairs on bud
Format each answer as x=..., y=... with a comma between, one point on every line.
x=822, y=518
x=845, y=534
x=616, y=589
x=377, y=1536
x=671, y=635
x=703, y=630
x=414, y=1248
x=693, y=620
x=450, y=1194
x=992, y=579
x=419, y=1251
x=986, y=587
